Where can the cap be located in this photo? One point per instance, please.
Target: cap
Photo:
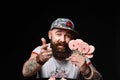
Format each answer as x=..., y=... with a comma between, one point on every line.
x=66, y=24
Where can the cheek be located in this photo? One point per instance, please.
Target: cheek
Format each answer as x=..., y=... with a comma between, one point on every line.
x=67, y=40
x=54, y=39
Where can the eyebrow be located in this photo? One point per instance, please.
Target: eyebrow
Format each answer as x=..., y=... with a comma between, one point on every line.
x=58, y=31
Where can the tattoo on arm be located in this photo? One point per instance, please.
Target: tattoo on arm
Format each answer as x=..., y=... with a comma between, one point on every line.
x=32, y=66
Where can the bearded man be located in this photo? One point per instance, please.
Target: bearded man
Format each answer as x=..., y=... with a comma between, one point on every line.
x=55, y=60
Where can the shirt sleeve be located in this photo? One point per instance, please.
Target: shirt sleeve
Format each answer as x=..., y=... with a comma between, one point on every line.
x=88, y=61
x=37, y=49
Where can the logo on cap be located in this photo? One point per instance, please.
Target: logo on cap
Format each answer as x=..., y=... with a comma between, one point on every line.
x=69, y=24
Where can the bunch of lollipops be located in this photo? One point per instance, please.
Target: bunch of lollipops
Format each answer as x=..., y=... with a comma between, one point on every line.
x=78, y=46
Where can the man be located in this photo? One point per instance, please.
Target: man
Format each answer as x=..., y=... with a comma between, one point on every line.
x=56, y=60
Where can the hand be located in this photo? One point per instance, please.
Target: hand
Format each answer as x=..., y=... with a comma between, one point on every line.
x=79, y=61
x=45, y=52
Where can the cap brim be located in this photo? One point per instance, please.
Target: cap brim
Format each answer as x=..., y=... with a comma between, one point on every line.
x=74, y=33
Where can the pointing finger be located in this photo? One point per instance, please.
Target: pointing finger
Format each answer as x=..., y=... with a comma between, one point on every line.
x=43, y=41
x=44, y=45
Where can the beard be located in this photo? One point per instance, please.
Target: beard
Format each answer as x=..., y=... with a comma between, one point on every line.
x=60, y=53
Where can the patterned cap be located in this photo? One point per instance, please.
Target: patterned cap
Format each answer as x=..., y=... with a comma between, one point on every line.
x=64, y=23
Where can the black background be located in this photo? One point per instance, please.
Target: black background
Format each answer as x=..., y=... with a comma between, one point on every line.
x=22, y=26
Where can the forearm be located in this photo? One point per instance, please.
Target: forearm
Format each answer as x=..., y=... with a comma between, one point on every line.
x=30, y=67
x=92, y=74
x=96, y=74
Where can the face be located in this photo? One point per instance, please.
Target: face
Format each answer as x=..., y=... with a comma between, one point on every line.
x=59, y=43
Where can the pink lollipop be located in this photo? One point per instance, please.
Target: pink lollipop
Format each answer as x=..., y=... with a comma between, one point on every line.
x=80, y=49
x=89, y=55
x=72, y=45
x=79, y=42
x=91, y=49
x=85, y=47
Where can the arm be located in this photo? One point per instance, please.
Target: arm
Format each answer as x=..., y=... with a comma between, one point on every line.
x=87, y=69
x=31, y=66
x=90, y=73
x=37, y=59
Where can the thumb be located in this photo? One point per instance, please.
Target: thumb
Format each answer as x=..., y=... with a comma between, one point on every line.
x=43, y=41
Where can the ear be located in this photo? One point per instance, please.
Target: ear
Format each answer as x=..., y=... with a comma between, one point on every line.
x=49, y=34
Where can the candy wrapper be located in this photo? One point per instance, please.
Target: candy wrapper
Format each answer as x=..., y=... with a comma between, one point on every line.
x=78, y=46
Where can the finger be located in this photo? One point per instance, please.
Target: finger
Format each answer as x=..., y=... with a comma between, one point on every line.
x=49, y=49
x=44, y=45
x=43, y=41
x=72, y=57
x=49, y=53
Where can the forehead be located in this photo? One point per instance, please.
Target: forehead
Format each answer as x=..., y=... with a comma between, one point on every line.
x=62, y=30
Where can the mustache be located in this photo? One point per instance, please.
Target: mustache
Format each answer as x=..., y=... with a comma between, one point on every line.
x=61, y=43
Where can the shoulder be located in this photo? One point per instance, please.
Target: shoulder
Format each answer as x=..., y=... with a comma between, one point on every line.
x=38, y=48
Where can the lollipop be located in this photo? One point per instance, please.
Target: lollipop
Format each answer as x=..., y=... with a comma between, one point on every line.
x=72, y=45
x=91, y=49
x=84, y=48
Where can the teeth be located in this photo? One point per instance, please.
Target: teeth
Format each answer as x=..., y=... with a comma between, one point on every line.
x=67, y=59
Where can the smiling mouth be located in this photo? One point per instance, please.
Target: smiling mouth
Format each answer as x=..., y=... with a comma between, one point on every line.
x=60, y=46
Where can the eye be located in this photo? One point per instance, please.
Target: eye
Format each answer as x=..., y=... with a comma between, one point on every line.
x=58, y=33
x=69, y=35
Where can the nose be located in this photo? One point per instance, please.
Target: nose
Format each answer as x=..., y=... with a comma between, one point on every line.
x=62, y=38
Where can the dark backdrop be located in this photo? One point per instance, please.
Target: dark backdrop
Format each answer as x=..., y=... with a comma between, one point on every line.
x=97, y=23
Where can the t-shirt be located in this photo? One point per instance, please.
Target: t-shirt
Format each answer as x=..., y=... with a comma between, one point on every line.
x=59, y=69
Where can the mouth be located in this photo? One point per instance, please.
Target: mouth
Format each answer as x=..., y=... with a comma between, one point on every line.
x=61, y=47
